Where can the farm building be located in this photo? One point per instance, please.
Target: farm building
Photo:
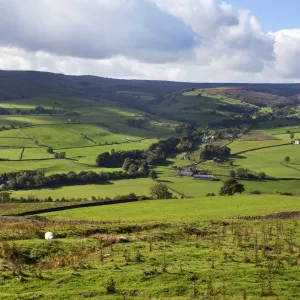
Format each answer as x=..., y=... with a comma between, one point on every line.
x=204, y=177
x=188, y=171
x=297, y=142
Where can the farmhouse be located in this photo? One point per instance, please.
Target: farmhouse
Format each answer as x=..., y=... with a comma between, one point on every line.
x=296, y=142
x=204, y=177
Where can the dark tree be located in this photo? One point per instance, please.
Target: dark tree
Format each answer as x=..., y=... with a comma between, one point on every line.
x=50, y=150
x=232, y=174
x=153, y=175
x=231, y=187
x=287, y=159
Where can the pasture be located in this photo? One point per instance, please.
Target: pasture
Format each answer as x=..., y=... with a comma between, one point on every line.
x=114, y=188
x=271, y=161
x=183, y=210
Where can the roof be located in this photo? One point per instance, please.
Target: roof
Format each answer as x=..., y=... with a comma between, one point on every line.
x=204, y=176
x=187, y=173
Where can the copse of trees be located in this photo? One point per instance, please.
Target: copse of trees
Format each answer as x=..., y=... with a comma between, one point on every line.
x=36, y=179
x=211, y=151
x=156, y=153
x=136, y=166
x=115, y=159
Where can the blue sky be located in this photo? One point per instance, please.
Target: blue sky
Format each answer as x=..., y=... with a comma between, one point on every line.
x=273, y=14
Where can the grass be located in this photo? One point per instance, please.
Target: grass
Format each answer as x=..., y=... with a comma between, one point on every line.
x=160, y=261
x=12, y=142
x=48, y=166
x=36, y=153
x=183, y=210
x=240, y=145
x=56, y=136
x=270, y=161
x=6, y=153
x=121, y=187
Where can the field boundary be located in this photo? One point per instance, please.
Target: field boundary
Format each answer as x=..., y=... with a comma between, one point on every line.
x=74, y=206
x=260, y=148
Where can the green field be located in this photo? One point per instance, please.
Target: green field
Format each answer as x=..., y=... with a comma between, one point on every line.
x=88, y=155
x=115, y=188
x=240, y=145
x=270, y=161
x=183, y=210
x=193, y=246
x=13, y=154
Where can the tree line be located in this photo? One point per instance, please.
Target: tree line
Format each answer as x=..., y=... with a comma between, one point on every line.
x=36, y=179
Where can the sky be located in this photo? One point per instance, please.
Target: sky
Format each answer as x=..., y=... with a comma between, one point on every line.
x=178, y=40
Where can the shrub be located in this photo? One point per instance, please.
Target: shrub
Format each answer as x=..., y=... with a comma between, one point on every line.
x=111, y=286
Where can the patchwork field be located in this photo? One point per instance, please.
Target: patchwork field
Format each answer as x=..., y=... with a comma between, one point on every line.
x=194, y=246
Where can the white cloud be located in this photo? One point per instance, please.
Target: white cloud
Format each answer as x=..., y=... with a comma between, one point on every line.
x=287, y=52
x=187, y=40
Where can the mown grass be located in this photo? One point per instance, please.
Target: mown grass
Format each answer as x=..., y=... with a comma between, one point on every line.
x=183, y=210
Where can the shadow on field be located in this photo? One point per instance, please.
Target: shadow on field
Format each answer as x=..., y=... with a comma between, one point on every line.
x=237, y=156
x=165, y=181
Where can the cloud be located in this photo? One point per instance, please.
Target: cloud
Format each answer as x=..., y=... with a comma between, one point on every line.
x=232, y=38
x=186, y=40
x=287, y=52
x=95, y=29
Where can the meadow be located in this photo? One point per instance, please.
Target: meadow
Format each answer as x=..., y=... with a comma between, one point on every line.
x=183, y=210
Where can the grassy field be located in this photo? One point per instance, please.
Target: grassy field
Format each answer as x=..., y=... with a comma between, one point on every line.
x=187, y=248
x=6, y=153
x=48, y=166
x=183, y=210
x=121, y=187
x=56, y=136
x=270, y=161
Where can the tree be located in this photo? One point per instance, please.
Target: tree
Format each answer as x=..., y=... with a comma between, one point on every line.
x=231, y=187
x=232, y=174
x=160, y=191
x=153, y=175
x=262, y=175
x=292, y=135
x=287, y=159
x=60, y=155
x=242, y=173
x=50, y=150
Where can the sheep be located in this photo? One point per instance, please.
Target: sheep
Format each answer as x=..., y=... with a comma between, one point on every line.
x=49, y=236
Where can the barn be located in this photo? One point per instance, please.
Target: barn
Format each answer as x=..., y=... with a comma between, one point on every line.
x=204, y=177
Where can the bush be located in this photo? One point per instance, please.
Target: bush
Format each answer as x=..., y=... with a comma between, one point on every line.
x=111, y=286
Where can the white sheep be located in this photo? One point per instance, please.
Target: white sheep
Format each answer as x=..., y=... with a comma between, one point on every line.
x=49, y=236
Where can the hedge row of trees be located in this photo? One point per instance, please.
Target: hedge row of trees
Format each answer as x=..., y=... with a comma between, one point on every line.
x=5, y=197
x=36, y=179
x=247, y=174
